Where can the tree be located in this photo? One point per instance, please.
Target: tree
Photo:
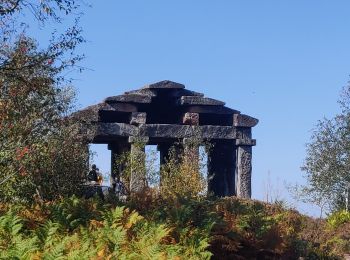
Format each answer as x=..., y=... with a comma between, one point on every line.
x=41, y=151
x=327, y=163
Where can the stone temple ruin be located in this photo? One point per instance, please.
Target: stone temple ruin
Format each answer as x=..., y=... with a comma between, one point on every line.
x=164, y=113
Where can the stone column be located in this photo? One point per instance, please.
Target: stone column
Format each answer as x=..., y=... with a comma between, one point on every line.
x=164, y=149
x=191, y=145
x=221, y=168
x=191, y=151
x=138, y=180
x=244, y=168
x=118, y=149
x=244, y=126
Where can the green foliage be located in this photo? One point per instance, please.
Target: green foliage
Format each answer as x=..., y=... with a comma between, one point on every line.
x=327, y=162
x=13, y=243
x=229, y=228
x=84, y=229
x=42, y=154
x=338, y=218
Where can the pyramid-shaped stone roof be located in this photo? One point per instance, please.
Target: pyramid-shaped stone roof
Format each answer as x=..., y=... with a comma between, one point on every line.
x=165, y=109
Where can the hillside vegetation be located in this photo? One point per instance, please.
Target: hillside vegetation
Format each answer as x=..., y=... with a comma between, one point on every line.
x=149, y=227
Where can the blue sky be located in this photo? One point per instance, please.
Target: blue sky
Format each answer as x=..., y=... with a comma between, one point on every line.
x=283, y=62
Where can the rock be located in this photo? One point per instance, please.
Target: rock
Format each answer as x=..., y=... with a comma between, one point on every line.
x=131, y=98
x=244, y=120
x=196, y=100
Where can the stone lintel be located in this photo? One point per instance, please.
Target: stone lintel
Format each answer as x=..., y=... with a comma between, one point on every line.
x=183, y=131
x=211, y=110
x=190, y=119
x=245, y=142
x=242, y=120
x=196, y=100
x=138, y=139
x=114, y=130
x=138, y=118
x=131, y=98
x=165, y=84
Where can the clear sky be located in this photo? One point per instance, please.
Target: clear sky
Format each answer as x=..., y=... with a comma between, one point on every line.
x=283, y=62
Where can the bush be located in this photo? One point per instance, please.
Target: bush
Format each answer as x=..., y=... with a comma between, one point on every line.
x=338, y=218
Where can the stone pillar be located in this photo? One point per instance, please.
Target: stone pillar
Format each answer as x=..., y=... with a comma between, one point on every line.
x=221, y=168
x=164, y=149
x=191, y=145
x=244, y=168
x=138, y=180
x=117, y=150
x=191, y=151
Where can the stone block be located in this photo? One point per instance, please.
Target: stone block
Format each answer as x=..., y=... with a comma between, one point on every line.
x=247, y=142
x=190, y=119
x=197, y=100
x=138, y=118
x=242, y=120
x=130, y=98
x=138, y=139
x=165, y=84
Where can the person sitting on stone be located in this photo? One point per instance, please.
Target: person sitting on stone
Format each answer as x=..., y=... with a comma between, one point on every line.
x=92, y=175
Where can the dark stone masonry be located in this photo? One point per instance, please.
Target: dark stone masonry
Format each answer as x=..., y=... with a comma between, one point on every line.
x=164, y=113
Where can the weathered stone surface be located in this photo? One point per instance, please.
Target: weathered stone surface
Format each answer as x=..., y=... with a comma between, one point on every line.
x=211, y=110
x=244, y=120
x=138, y=180
x=248, y=142
x=131, y=98
x=166, y=131
x=190, y=119
x=91, y=113
x=138, y=139
x=244, y=133
x=123, y=107
x=196, y=100
x=109, y=130
x=244, y=171
x=138, y=118
x=121, y=122
x=183, y=131
x=117, y=150
x=165, y=84
x=143, y=92
x=177, y=93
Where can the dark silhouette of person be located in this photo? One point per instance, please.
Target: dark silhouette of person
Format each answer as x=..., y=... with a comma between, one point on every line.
x=94, y=188
x=92, y=175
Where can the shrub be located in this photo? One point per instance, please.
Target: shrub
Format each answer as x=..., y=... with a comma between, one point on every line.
x=338, y=218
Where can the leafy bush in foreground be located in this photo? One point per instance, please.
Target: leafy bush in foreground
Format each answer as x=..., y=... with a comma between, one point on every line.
x=158, y=228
